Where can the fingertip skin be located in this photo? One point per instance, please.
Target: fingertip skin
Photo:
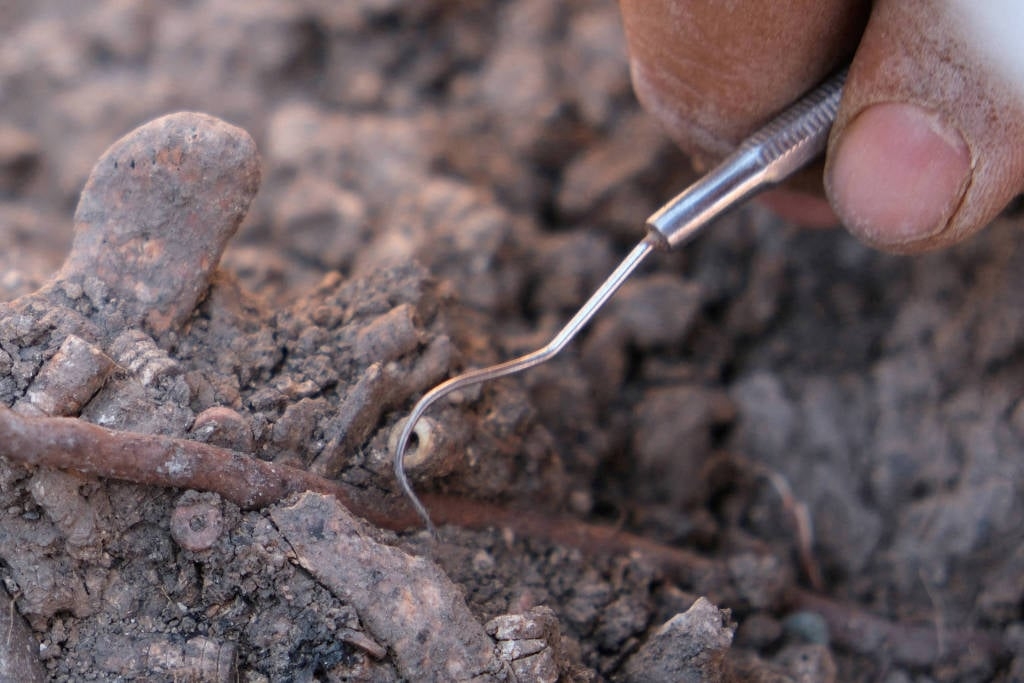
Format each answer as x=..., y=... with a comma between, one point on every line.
x=897, y=176
x=713, y=72
x=917, y=53
x=992, y=30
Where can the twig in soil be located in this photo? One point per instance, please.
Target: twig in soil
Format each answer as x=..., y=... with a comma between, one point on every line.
x=797, y=509
x=68, y=443
x=940, y=621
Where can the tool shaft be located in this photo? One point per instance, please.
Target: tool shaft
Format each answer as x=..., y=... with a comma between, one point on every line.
x=767, y=157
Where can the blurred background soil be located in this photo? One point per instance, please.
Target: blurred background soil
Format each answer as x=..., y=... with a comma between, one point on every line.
x=480, y=167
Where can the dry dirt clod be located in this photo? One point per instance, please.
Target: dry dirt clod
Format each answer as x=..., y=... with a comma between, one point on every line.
x=320, y=221
x=530, y=643
x=156, y=214
x=657, y=310
x=389, y=336
x=431, y=367
x=673, y=442
x=688, y=648
x=407, y=603
x=19, y=158
x=79, y=517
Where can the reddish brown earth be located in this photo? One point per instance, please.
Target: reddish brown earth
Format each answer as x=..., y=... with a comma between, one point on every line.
x=777, y=456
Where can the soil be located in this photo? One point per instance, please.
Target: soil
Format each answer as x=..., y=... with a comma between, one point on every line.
x=776, y=456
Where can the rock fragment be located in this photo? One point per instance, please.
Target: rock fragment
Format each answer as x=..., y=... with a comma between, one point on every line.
x=406, y=603
x=156, y=214
x=530, y=643
x=688, y=648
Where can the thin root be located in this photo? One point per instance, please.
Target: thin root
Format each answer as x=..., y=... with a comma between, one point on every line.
x=67, y=443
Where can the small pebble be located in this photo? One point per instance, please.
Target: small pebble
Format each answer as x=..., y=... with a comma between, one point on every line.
x=808, y=627
x=197, y=521
x=539, y=622
x=222, y=426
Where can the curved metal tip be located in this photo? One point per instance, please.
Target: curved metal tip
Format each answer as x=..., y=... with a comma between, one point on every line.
x=399, y=462
x=545, y=353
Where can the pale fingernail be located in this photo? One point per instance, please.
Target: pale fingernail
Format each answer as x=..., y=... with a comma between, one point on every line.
x=897, y=175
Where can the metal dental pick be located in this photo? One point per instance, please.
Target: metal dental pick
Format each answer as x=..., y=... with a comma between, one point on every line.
x=766, y=158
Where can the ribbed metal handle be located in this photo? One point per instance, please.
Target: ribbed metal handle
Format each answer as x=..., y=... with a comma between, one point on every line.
x=769, y=156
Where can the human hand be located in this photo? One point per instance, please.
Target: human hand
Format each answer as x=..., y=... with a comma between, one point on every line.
x=928, y=145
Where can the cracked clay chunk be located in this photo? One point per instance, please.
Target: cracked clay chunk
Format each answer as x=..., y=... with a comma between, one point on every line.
x=156, y=213
x=407, y=603
x=688, y=648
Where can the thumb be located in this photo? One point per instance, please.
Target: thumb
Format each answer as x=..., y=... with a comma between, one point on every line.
x=929, y=143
